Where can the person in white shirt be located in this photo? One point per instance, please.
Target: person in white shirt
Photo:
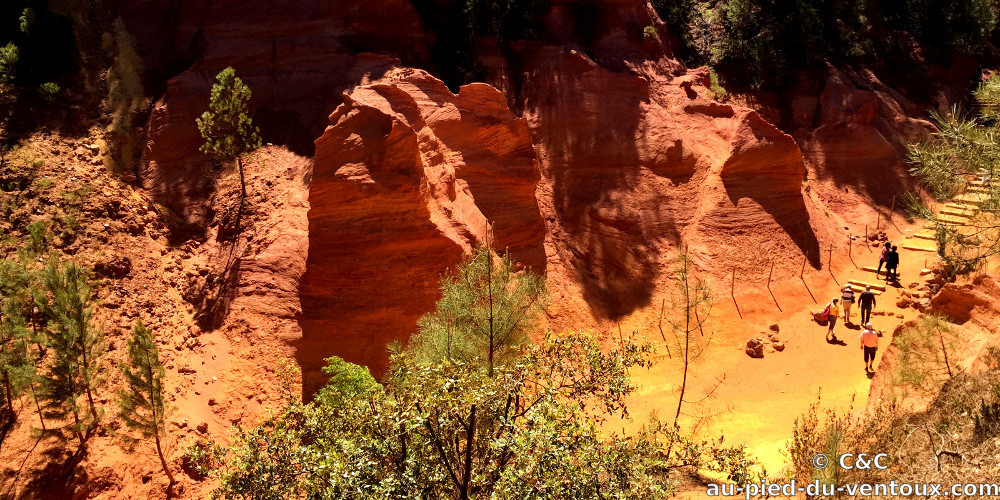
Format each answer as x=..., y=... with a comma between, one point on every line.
x=847, y=299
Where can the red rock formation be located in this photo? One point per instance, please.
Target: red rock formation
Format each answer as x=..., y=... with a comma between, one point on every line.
x=405, y=179
x=853, y=133
x=978, y=301
x=637, y=164
x=294, y=58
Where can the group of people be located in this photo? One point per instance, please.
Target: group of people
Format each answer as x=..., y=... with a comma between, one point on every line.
x=869, y=336
x=890, y=258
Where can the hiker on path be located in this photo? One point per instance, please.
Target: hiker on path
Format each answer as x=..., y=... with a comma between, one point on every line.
x=834, y=312
x=882, y=258
x=869, y=344
x=867, y=301
x=891, y=263
x=847, y=300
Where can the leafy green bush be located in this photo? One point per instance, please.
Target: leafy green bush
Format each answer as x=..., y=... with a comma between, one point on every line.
x=202, y=457
x=49, y=91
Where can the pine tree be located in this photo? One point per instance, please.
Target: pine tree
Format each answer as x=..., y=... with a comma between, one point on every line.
x=66, y=301
x=141, y=404
x=486, y=310
x=16, y=365
x=228, y=130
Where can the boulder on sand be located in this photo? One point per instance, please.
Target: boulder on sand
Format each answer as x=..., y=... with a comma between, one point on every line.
x=755, y=348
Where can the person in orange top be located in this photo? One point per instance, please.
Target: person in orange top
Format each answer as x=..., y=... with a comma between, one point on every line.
x=834, y=313
x=869, y=344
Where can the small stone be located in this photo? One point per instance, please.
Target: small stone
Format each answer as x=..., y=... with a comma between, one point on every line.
x=778, y=346
x=212, y=402
x=774, y=328
x=202, y=427
x=755, y=348
x=186, y=369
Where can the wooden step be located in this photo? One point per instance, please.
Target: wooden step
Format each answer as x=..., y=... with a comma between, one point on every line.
x=872, y=269
x=958, y=212
x=925, y=235
x=863, y=284
x=859, y=289
x=951, y=219
x=961, y=206
x=919, y=248
x=970, y=199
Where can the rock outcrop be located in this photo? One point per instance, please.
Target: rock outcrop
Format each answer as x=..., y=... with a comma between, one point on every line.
x=405, y=179
x=640, y=163
x=976, y=301
x=853, y=130
x=295, y=58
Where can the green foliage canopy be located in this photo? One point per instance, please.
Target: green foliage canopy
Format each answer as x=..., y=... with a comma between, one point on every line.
x=227, y=127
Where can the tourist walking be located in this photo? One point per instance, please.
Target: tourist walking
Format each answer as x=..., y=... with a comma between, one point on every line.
x=847, y=300
x=867, y=302
x=869, y=344
x=882, y=258
x=834, y=313
x=891, y=263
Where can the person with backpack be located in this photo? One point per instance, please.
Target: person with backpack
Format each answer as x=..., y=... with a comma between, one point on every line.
x=834, y=311
x=882, y=258
x=867, y=301
x=891, y=263
x=847, y=300
x=869, y=344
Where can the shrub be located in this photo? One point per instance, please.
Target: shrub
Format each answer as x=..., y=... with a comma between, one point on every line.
x=49, y=91
x=202, y=457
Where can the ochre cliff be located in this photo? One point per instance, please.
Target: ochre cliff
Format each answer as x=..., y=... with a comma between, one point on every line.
x=600, y=160
x=639, y=164
x=295, y=56
x=405, y=179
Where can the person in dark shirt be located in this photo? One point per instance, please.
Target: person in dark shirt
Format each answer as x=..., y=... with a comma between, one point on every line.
x=891, y=262
x=867, y=301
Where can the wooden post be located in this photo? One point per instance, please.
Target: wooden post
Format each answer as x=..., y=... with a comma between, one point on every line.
x=803, y=271
x=769, y=273
x=732, y=286
x=878, y=220
x=892, y=207
x=869, y=247
x=850, y=246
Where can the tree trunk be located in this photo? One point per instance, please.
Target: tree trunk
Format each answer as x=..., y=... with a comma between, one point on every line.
x=76, y=428
x=10, y=393
x=86, y=378
x=31, y=387
x=470, y=435
x=243, y=195
x=163, y=461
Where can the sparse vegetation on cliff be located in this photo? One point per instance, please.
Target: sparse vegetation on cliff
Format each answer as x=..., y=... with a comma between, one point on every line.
x=227, y=128
x=961, y=159
x=66, y=300
x=142, y=406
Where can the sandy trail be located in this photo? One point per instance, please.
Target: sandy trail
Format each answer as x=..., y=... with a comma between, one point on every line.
x=759, y=399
